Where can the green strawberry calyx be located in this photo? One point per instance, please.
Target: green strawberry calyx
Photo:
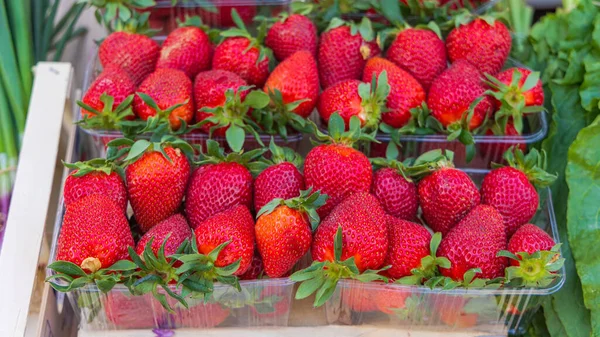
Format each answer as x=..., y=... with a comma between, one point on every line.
x=69, y=276
x=374, y=99
x=134, y=150
x=533, y=165
x=255, y=42
x=429, y=264
x=278, y=115
x=233, y=115
x=110, y=118
x=537, y=270
x=137, y=23
x=461, y=131
x=279, y=155
x=364, y=27
x=412, y=169
x=94, y=165
x=307, y=203
x=216, y=154
x=337, y=133
x=196, y=21
x=512, y=100
x=109, y=13
x=323, y=276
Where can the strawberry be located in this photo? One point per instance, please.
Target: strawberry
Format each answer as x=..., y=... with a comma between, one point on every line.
x=359, y=297
x=394, y=189
x=421, y=52
x=390, y=299
x=113, y=81
x=446, y=195
x=297, y=79
x=454, y=91
x=405, y=92
x=94, y=234
x=157, y=174
x=174, y=227
x=168, y=88
x=483, y=42
x=511, y=189
x=408, y=244
x=126, y=311
x=96, y=176
x=218, y=184
x=337, y=169
x=133, y=52
x=343, y=51
x=242, y=54
x=452, y=311
x=279, y=176
x=493, y=151
x=515, y=79
x=222, y=17
x=292, y=33
x=201, y=315
x=283, y=231
x=187, y=49
x=256, y=269
x=530, y=239
x=234, y=225
x=474, y=243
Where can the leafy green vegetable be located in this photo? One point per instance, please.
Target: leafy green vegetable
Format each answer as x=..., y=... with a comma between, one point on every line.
x=583, y=179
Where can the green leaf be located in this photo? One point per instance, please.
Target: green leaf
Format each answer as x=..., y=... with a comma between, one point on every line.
x=122, y=265
x=308, y=287
x=137, y=149
x=67, y=268
x=235, y=136
x=336, y=125
x=338, y=243
x=105, y=285
x=257, y=99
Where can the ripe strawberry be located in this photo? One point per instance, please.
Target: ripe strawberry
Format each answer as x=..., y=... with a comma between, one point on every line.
x=281, y=177
x=135, y=53
x=474, y=243
x=493, y=151
x=222, y=17
x=296, y=78
x=290, y=34
x=219, y=184
x=421, y=53
x=156, y=185
x=511, y=189
x=533, y=93
x=396, y=192
x=201, y=315
x=342, y=54
x=175, y=226
x=350, y=98
x=126, y=311
x=94, y=234
x=389, y=299
x=364, y=231
x=113, y=81
x=530, y=239
x=255, y=270
x=187, y=49
x=452, y=311
x=359, y=297
x=242, y=54
x=408, y=244
x=405, y=91
x=167, y=87
x=235, y=225
x=485, y=45
x=283, y=231
x=446, y=196
x=96, y=176
x=452, y=93
x=337, y=169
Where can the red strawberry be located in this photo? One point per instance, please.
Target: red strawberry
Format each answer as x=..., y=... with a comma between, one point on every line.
x=291, y=34
x=452, y=93
x=474, y=243
x=222, y=17
x=255, y=270
x=510, y=190
x=342, y=55
x=296, y=78
x=126, y=311
x=533, y=96
x=405, y=91
x=530, y=239
x=201, y=315
x=94, y=234
x=209, y=92
x=364, y=231
x=218, y=185
x=360, y=297
x=175, y=226
x=136, y=54
x=408, y=244
x=167, y=87
x=451, y=311
x=94, y=177
x=156, y=185
x=389, y=299
x=235, y=225
x=395, y=191
x=280, y=179
x=113, y=81
x=493, y=151
x=283, y=231
x=485, y=45
x=337, y=169
x=421, y=53
x=446, y=196
x=236, y=54
x=187, y=49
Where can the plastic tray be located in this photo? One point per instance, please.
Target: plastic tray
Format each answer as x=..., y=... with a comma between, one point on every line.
x=494, y=311
x=101, y=137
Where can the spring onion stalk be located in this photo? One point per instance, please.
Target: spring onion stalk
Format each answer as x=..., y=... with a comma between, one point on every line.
x=19, y=13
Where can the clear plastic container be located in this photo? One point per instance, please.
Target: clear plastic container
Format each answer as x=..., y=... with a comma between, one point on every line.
x=214, y=13
x=102, y=137
x=482, y=310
